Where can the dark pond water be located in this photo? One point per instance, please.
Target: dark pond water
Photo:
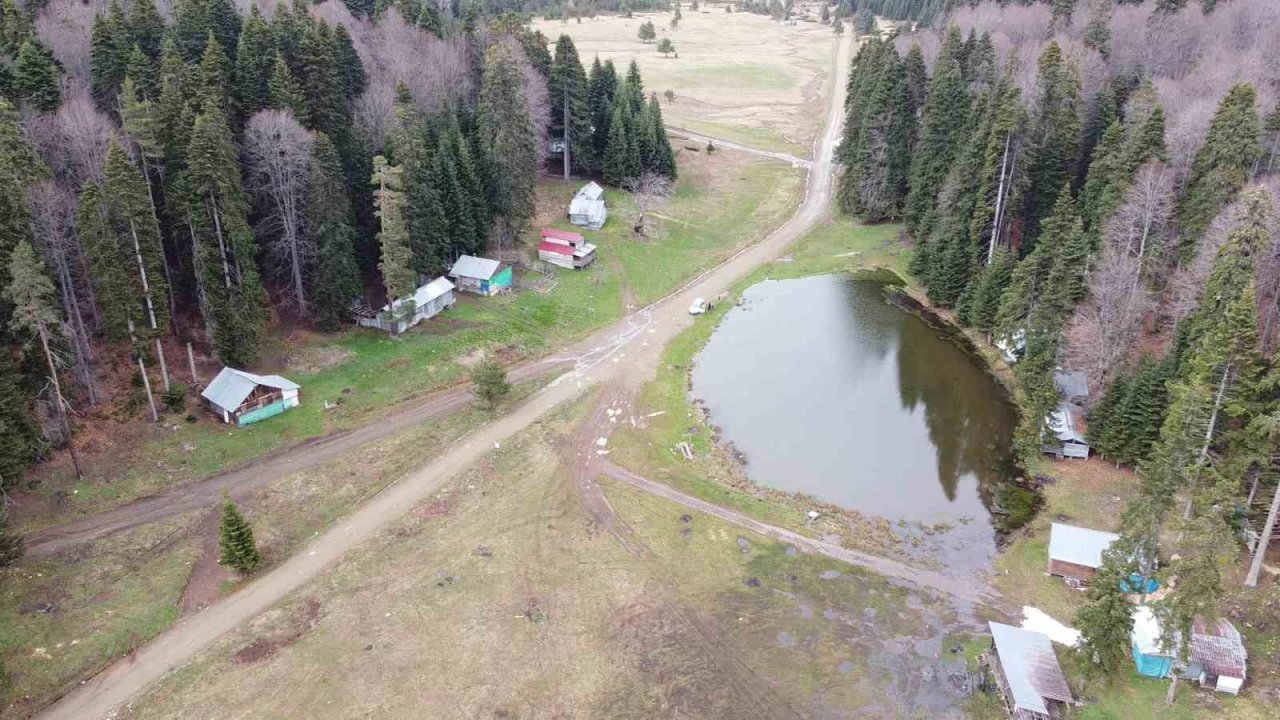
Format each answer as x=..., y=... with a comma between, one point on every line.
x=827, y=389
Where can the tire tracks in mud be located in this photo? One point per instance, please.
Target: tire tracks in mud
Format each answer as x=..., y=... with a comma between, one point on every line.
x=588, y=463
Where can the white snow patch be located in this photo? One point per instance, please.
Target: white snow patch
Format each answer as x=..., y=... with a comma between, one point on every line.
x=1037, y=620
x=602, y=441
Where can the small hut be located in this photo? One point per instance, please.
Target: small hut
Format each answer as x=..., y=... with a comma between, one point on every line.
x=242, y=398
x=587, y=208
x=428, y=301
x=1073, y=386
x=1068, y=426
x=566, y=249
x=1075, y=553
x=1217, y=656
x=481, y=276
x=1028, y=674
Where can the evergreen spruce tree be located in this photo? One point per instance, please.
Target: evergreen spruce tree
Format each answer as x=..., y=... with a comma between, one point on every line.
x=633, y=88
x=602, y=85
x=109, y=46
x=982, y=300
x=103, y=251
x=238, y=548
x=330, y=222
x=320, y=83
x=19, y=167
x=508, y=138
x=144, y=73
x=1222, y=164
x=215, y=78
x=567, y=86
x=616, y=167
x=146, y=27
x=283, y=91
x=20, y=438
x=874, y=184
x=256, y=61
x=393, y=233
x=1107, y=620
x=663, y=158
x=35, y=76
x=226, y=252
x=1055, y=139
x=347, y=62
x=943, y=122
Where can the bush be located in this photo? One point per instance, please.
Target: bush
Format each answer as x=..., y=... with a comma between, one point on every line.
x=175, y=398
x=491, y=383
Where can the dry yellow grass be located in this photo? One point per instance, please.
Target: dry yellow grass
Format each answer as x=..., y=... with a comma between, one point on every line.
x=740, y=77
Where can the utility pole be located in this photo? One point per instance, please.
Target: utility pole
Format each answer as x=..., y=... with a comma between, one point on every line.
x=1260, y=550
x=566, y=127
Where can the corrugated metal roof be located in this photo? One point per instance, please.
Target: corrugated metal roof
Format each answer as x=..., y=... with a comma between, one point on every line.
x=1067, y=422
x=1072, y=384
x=585, y=206
x=590, y=191
x=469, y=266
x=569, y=237
x=1077, y=545
x=425, y=294
x=232, y=386
x=1030, y=667
x=1218, y=648
x=555, y=248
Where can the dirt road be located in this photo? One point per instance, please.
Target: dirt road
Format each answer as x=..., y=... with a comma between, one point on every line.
x=628, y=350
x=208, y=491
x=722, y=144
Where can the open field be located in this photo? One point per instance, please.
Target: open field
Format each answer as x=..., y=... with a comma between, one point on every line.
x=542, y=614
x=722, y=202
x=739, y=76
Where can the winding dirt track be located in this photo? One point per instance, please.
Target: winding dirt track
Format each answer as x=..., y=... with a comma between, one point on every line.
x=721, y=144
x=629, y=351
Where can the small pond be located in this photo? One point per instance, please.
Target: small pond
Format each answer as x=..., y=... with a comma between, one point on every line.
x=826, y=388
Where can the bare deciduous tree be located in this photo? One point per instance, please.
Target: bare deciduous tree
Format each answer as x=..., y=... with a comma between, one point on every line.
x=277, y=150
x=646, y=190
x=1106, y=325
x=1139, y=227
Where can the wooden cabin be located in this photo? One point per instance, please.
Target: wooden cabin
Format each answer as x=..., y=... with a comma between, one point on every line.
x=1075, y=553
x=566, y=249
x=242, y=398
x=481, y=276
x=1068, y=425
x=428, y=301
x=1027, y=672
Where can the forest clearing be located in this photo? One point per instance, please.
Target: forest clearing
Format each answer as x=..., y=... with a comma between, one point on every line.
x=738, y=76
x=902, y=224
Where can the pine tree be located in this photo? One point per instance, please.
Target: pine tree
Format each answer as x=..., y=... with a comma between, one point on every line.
x=144, y=73
x=329, y=220
x=20, y=437
x=283, y=91
x=215, y=78
x=35, y=76
x=109, y=46
x=616, y=167
x=19, y=167
x=393, y=234
x=1055, y=138
x=943, y=122
x=1097, y=32
x=1107, y=620
x=508, y=138
x=603, y=84
x=1222, y=164
x=982, y=301
x=633, y=88
x=350, y=70
x=110, y=274
x=256, y=61
x=238, y=548
x=146, y=27
x=233, y=300
x=663, y=158
x=567, y=87
x=874, y=185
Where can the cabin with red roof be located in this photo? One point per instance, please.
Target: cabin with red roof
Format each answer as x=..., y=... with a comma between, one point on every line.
x=565, y=249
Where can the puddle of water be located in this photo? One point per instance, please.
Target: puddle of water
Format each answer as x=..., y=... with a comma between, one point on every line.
x=827, y=389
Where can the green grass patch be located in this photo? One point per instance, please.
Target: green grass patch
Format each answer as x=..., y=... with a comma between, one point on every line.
x=760, y=77
x=759, y=138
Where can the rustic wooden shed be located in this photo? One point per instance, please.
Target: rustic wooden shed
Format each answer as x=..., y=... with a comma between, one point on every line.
x=1028, y=674
x=566, y=249
x=243, y=398
x=481, y=276
x=1075, y=553
x=428, y=301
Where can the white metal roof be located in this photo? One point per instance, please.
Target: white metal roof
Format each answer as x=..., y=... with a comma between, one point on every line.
x=1064, y=424
x=232, y=386
x=477, y=268
x=593, y=209
x=1077, y=545
x=425, y=294
x=590, y=191
x=1030, y=667
x=1072, y=384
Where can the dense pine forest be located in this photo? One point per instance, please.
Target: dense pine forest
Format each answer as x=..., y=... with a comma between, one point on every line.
x=198, y=171
x=1092, y=185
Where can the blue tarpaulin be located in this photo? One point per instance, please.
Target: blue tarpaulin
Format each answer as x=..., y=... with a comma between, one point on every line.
x=1134, y=584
